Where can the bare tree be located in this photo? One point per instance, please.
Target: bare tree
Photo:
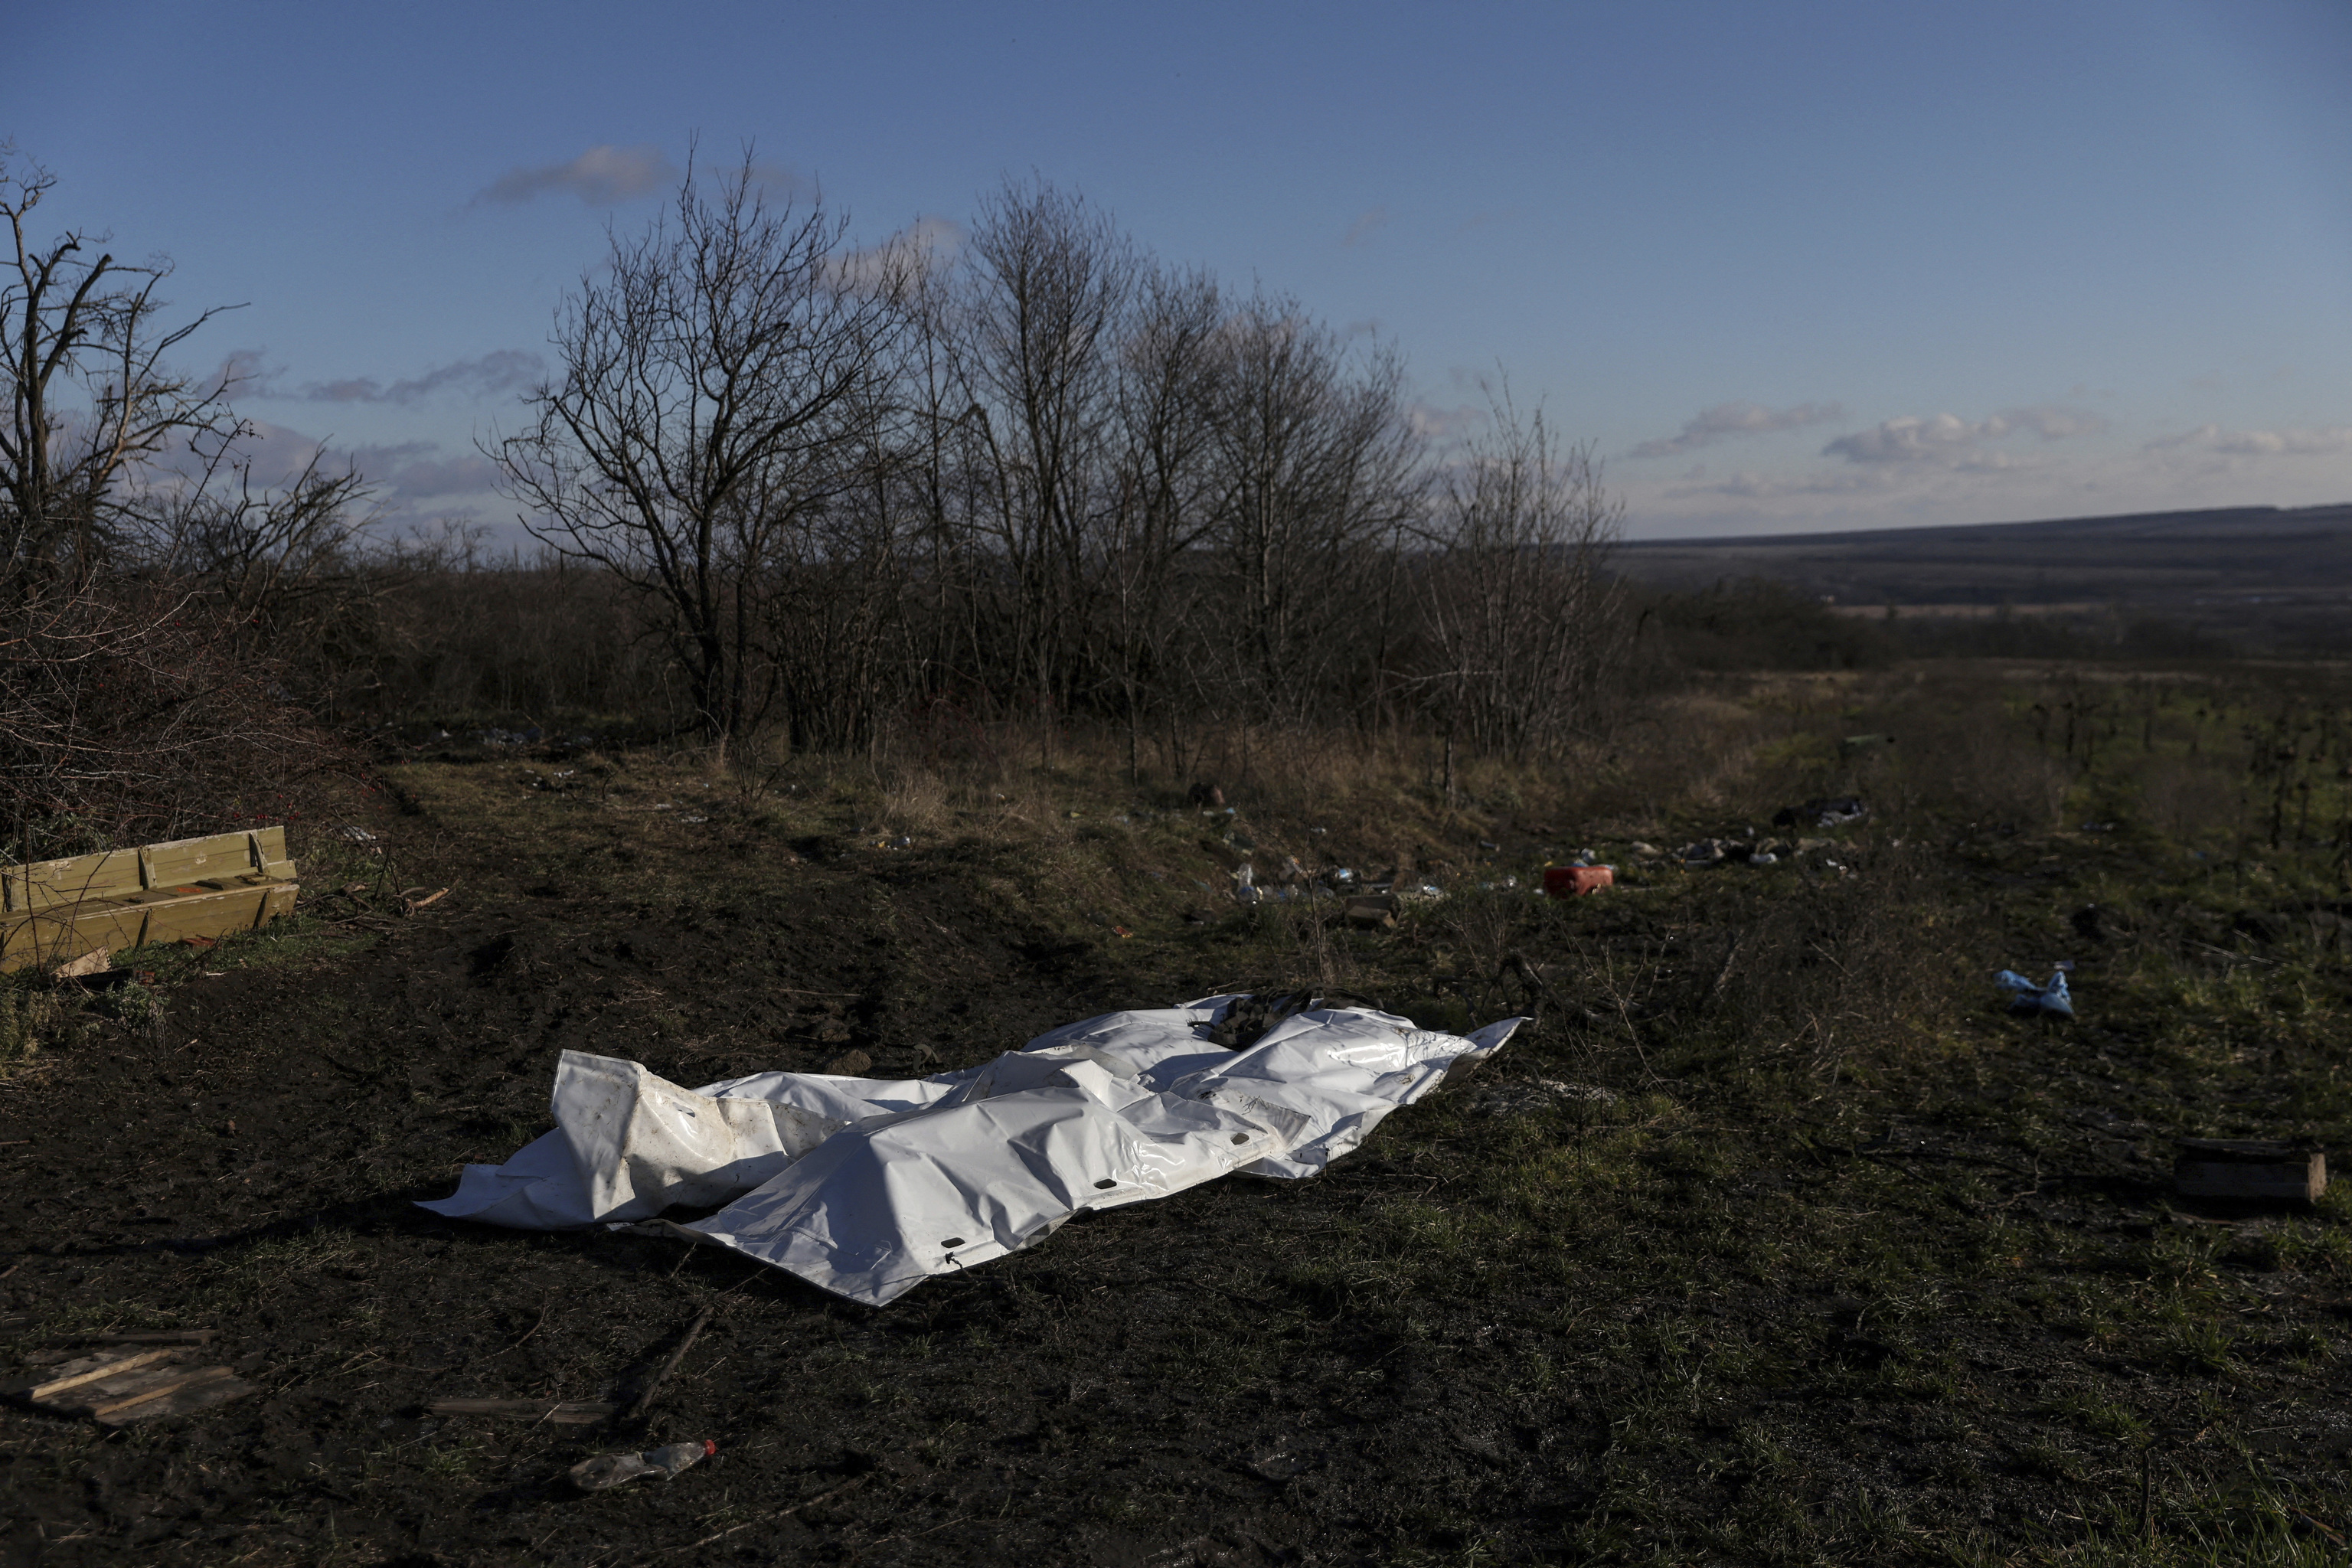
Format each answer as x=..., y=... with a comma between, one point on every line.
x=710, y=374
x=90, y=399
x=1519, y=617
x=1318, y=469
x=1168, y=498
x=1036, y=332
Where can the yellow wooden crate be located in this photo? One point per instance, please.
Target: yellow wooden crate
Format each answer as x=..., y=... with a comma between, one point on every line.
x=59, y=910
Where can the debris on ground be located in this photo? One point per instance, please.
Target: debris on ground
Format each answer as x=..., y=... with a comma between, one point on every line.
x=2248, y=1169
x=1371, y=912
x=555, y=1412
x=65, y=911
x=119, y=1388
x=606, y=1471
x=867, y=1187
x=1575, y=881
x=1823, y=811
x=2025, y=997
x=351, y=833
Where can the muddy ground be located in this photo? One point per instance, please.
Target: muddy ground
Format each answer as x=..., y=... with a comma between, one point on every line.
x=1951, y=1316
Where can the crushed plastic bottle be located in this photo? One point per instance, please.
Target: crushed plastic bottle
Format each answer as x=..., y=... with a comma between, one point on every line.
x=611, y=1469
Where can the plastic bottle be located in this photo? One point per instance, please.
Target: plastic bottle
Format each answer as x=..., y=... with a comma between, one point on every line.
x=611, y=1469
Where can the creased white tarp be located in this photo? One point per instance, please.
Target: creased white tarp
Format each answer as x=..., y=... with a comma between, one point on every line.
x=868, y=1186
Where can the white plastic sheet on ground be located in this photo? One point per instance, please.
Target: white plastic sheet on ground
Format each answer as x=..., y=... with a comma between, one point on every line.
x=867, y=1187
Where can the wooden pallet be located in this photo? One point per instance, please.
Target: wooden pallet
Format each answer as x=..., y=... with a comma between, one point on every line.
x=65, y=911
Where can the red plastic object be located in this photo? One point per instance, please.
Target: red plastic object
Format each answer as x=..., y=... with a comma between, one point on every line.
x=1575, y=881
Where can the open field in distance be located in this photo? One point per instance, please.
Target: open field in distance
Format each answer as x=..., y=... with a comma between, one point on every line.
x=2262, y=578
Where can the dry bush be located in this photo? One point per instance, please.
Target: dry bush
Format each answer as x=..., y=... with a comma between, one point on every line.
x=2186, y=798
x=1847, y=972
x=131, y=711
x=914, y=801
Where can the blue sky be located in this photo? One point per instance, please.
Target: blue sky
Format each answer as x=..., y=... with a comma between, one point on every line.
x=1788, y=266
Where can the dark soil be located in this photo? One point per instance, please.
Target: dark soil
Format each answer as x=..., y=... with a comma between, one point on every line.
x=1691, y=1322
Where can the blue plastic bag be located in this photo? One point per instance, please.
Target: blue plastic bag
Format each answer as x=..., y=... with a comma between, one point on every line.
x=2025, y=997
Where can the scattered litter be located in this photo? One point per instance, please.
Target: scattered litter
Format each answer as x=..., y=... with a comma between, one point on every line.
x=1539, y=1094
x=1763, y=857
x=1575, y=881
x=117, y=1390
x=1371, y=911
x=1121, y=930
x=1490, y=846
x=694, y=820
x=1646, y=851
x=555, y=1412
x=2028, y=997
x=2241, y=1168
x=867, y=1187
x=611, y=1469
x=1823, y=811
x=529, y=737
x=98, y=960
x=351, y=834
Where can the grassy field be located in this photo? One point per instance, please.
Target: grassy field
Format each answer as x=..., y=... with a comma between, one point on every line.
x=1776, y=1239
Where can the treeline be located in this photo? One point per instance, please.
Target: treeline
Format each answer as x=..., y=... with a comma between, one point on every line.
x=792, y=489
x=1049, y=475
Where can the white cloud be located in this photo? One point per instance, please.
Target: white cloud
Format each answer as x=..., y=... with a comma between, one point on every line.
x=1444, y=425
x=1368, y=223
x=1728, y=419
x=1949, y=441
x=601, y=176
x=2326, y=441
x=1748, y=485
x=781, y=180
x=921, y=246
x=502, y=370
x=416, y=471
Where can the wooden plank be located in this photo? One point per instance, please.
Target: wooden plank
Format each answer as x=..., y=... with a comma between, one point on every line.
x=157, y=1337
x=109, y=874
x=2248, y=1169
x=562, y=1412
x=91, y=1375
x=169, y=1385
x=218, y=855
x=201, y=1395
